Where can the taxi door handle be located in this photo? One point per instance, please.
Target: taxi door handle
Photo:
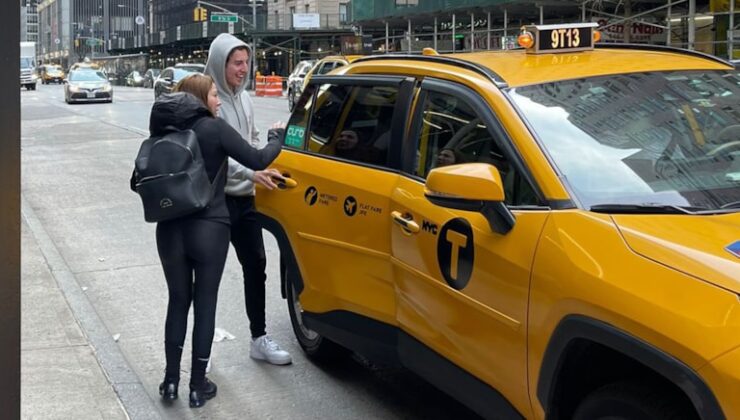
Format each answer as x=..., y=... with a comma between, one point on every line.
x=288, y=183
x=405, y=222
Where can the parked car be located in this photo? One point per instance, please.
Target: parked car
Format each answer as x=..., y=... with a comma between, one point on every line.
x=551, y=232
x=295, y=81
x=87, y=85
x=329, y=63
x=197, y=67
x=150, y=76
x=51, y=73
x=134, y=79
x=169, y=77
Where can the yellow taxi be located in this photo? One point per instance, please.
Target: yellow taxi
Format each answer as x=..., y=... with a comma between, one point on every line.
x=51, y=73
x=548, y=232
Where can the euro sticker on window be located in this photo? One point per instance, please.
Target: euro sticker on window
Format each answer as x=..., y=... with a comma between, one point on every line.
x=294, y=136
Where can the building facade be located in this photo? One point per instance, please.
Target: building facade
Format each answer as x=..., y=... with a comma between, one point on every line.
x=308, y=14
x=29, y=21
x=70, y=30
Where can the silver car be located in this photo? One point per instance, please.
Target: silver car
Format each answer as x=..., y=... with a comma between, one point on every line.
x=87, y=85
x=295, y=81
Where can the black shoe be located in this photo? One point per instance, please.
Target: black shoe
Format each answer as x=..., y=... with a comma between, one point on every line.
x=199, y=394
x=168, y=389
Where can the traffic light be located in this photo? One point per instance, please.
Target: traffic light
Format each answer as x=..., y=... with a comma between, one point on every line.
x=200, y=14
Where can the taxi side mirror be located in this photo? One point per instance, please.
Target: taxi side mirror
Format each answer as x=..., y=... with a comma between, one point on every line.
x=471, y=187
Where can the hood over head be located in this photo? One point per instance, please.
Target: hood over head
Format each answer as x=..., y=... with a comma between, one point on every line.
x=179, y=110
x=216, y=64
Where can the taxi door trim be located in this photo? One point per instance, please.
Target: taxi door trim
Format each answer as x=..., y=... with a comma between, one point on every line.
x=503, y=139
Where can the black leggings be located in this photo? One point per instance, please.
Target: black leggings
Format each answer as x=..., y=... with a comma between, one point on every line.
x=193, y=254
x=246, y=236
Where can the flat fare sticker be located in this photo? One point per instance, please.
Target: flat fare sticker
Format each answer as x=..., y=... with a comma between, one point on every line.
x=734, y=249
x=294, y=136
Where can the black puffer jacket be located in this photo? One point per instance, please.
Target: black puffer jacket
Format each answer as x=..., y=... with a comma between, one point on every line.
x=217, y=141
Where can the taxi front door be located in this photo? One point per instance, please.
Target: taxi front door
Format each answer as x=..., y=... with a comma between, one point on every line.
x=462, y=290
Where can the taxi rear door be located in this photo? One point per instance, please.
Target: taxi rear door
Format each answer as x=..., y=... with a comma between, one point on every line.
x=337, y=216
x=462, y=288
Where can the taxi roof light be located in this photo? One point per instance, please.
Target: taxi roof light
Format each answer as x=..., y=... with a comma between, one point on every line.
x=525, y=40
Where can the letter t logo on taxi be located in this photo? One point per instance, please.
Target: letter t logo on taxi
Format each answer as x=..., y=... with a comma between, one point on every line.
x=458, y=241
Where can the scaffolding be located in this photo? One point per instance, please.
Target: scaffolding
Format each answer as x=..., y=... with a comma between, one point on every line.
x=708, y=26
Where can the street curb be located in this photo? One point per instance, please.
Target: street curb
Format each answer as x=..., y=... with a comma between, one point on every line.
x=131, y=393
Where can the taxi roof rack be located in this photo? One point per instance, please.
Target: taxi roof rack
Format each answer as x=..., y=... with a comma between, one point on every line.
x=663, y=48
x=495, y=78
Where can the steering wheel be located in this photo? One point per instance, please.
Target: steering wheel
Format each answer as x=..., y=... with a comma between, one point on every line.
x=725, y=149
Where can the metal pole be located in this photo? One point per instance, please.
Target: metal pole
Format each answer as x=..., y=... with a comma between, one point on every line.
x=453, y=32
x=488, y=41
x=106, y=26
x=472, y=32
x=506, y=23
x=668, y=25
x=386, y=37
x=731, y=34
x=254, y=44
x=628, y=23
x=409, y=35
x=435, y=33
x=583, y=11
x=692, y=24
x=542, y=14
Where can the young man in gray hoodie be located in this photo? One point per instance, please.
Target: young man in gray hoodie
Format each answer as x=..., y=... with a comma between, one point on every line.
x=228, y=65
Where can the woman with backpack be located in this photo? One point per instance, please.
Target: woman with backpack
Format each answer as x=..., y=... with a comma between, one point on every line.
x=193, y=248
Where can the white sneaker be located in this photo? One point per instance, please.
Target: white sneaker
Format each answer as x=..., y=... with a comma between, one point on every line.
x=263, y=348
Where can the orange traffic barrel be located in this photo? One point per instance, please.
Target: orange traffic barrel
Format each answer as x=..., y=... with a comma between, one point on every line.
x=274, y=86
x=260, y=85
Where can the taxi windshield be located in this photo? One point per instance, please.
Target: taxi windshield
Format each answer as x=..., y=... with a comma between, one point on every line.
x=87, y=76
x=644, y=139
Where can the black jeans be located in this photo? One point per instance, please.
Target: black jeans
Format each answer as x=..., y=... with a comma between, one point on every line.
x=193, y=254
x=246, y=236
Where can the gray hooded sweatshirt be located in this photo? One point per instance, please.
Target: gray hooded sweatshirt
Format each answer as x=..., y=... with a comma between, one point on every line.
x=236, y=109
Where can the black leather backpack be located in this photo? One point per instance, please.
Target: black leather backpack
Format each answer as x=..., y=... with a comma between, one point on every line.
x=170, y=176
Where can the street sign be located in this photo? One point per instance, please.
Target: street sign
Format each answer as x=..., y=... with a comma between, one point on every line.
x=224, y=17
x=140, y=20
x=57, y=41
x=91, y=42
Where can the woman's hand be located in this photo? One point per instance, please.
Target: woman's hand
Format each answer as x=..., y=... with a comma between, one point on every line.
x=268, y=178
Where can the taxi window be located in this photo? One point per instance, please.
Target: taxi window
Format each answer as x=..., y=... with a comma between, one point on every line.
x=295, y=132
x=353, y=122
x=452, y=132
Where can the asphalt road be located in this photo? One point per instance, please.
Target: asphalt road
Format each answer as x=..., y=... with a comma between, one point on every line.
x=76, y=162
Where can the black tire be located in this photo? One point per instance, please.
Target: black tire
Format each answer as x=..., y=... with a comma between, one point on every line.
x=313, y=344
x=633, y=401
x=291, y=100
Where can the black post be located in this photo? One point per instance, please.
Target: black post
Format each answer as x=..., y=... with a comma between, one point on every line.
x=10, y=215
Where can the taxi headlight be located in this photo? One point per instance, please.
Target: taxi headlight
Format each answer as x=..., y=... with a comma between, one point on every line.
x=73, y=88
x=106, y=88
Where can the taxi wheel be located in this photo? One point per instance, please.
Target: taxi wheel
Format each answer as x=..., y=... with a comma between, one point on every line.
x=633, y=401
x=314, y=345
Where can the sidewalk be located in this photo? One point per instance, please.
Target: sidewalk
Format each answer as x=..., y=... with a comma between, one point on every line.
x=56, y=357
